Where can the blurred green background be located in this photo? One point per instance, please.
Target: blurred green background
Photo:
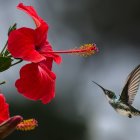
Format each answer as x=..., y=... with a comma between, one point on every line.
x=79, y=110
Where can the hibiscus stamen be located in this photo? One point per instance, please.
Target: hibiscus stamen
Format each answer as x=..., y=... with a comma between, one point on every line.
x=84, y=50
x=87, y=50
x=27, y=125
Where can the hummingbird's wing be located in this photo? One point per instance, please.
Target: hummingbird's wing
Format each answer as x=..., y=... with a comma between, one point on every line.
x=131, y=86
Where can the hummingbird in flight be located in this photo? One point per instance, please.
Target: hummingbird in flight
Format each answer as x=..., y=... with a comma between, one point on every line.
x=123, y=104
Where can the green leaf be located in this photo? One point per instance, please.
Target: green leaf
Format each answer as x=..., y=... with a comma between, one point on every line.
x=5, y=63
x=12, y=28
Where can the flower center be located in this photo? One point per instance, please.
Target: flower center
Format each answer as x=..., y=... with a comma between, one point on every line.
x=37, y=48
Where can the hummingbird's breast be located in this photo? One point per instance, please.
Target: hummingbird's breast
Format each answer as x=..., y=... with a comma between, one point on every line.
x=121, y=108
x=123, y=112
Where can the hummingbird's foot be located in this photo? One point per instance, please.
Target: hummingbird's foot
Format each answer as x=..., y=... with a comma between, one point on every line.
x=130, y=116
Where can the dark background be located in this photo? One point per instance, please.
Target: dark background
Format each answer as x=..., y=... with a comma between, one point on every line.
x=79, y=110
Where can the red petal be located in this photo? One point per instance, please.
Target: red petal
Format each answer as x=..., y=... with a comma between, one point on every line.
x=57, y=58
x=40, y=35
x=36, y=82
x=31, y=11
x=4, y=109
x=21, y=44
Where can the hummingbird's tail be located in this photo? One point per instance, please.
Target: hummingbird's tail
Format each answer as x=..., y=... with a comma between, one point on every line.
x=135, y=112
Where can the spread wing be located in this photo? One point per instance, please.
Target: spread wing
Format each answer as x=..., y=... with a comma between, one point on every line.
x=131, y=86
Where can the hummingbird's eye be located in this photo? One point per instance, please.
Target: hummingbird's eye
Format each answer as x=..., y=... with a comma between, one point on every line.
x=107, y=92
x=111, y=95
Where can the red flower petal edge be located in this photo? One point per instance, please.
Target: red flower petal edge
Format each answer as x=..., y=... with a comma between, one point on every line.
x=31, y=11
x=4, y=109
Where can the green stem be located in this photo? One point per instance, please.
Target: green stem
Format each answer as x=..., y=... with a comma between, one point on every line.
x=17, y=62
x=4, y=47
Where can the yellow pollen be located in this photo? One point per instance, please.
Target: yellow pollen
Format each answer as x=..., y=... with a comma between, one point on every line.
x=27, y=125
x=87, y=50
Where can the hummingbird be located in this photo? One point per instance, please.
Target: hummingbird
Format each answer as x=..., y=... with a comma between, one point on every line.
x=123, y=104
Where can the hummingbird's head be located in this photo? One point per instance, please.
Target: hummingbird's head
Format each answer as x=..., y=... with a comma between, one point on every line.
x=108, y=93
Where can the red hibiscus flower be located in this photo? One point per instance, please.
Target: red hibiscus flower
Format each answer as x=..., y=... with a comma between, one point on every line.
x=9, y=124
x=37, y=81
x=32, y=45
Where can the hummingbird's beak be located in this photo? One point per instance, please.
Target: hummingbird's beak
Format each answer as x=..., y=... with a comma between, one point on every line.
x=100, y=86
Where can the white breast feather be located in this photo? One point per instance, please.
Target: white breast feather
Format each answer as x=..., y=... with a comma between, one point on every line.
x=123, y=112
